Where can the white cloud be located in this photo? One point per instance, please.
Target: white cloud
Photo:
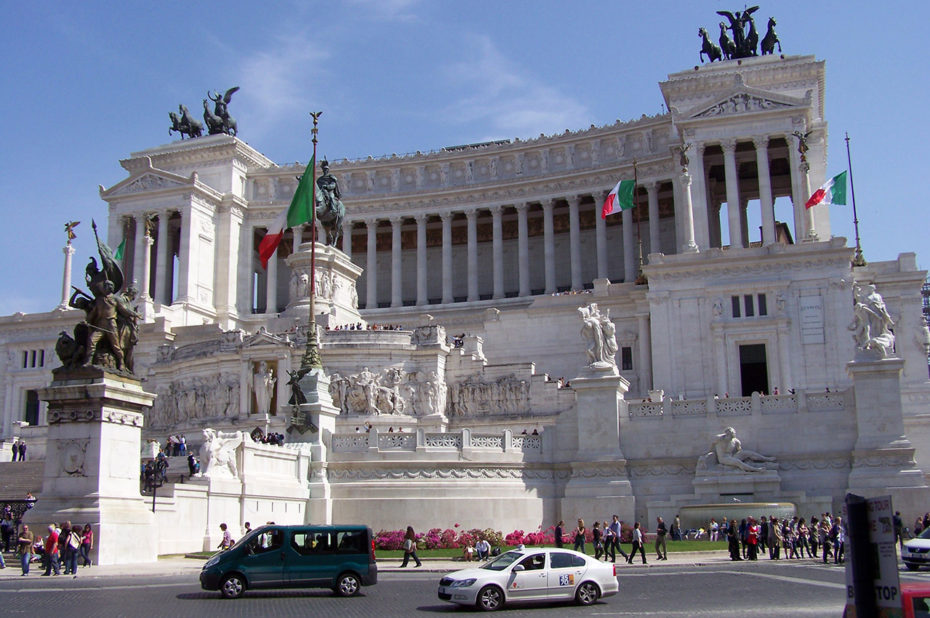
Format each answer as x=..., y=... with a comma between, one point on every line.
x=282, y=81
x=505, y=100
x=390, y=10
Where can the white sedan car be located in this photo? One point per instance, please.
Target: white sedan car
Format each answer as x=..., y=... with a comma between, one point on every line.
x=916, y=552
x=531, y=574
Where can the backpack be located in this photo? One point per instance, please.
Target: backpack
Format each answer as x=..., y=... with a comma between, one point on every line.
x=74, y=540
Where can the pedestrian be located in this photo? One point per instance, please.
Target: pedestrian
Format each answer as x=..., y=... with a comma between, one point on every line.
x=24, y=544
x=87, y=544
x=637, y=544
x=764, y=535
x=227, y=540
x=775, y=539
x=22, y=450
x=898, y=524
x=826, y=543
x=72, y=541
x=558, y=533
x=51, y=552
x=6, y=529
x=614, y=541
x=248, y=528
x=661, y=531
x=410, y=548
x=597, y=538
x=733, y=541
x=814, y=536
x=752, y=538
x=579, y=537
x=15, y=449
x=839, y=547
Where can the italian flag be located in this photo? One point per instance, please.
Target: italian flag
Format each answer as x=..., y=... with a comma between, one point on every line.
x=299, y=212
x=832, y=192
x=620, y=198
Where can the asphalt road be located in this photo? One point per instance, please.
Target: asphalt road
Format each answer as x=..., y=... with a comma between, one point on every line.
x=742, y=589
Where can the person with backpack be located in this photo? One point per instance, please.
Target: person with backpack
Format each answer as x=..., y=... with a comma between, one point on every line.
x=410, y=547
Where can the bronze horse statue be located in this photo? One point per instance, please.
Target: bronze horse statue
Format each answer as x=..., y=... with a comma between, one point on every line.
x=214, y=123
x=770, y=39
x=727, y=46
x=329, y=207
x=708, y=47
x=184, y=124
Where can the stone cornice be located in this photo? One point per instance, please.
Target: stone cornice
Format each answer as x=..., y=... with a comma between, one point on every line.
x=148, y=181
x=212, y=149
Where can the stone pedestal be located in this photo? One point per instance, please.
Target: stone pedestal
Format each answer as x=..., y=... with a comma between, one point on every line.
x=316, y=424
x=715, y=485
x=336, y=296
x=92, y=463
x=599, y=481
x=883, y=458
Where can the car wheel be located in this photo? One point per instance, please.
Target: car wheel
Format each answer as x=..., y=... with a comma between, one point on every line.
x=347, y=585
x=587, y=593
x=233, y=586
x=911, y=566
x=490, y=598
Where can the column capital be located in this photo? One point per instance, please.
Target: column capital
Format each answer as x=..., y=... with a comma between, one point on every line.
x=396, y=221
x=521, y=207
x=685, y=178
x=728, y=146
x=420, y=218
x=573, y=200
x=548, y=205
x=446, y=216
x=496, y=210
x=651, y=186
x=471, y=214
x=760, y=141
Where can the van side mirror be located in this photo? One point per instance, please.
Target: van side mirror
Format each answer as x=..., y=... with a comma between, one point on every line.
x=519, y=567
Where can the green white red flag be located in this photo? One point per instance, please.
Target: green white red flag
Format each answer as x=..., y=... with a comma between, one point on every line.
x=619, y=199
x=832, y=192
x=299, y=212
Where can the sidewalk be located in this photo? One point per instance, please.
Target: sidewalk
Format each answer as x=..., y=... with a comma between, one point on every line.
x=181, y=566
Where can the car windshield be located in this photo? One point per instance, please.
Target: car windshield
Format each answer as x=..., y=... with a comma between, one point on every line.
x=503, y=561
x=925, y=534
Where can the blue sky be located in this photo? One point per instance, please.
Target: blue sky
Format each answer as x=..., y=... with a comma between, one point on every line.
x=86, y=83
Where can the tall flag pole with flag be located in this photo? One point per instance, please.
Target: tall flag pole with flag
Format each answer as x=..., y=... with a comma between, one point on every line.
x=858, y=260
x=831, y=192
x=640, y=275
x=312, y=359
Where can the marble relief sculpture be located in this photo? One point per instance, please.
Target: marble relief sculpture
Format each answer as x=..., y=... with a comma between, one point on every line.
x=871, y=323
x=727, y=452
x=218, y=454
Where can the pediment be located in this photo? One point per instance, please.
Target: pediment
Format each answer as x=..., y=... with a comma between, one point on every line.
x=744, y=100
x=263, y=338
x=145, y=183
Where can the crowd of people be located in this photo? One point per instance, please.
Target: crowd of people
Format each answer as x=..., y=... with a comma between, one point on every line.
x=789, y=538
x=360, y=326
x=59, y=550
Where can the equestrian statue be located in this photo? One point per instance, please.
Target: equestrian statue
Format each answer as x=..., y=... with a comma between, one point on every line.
x=329, y=208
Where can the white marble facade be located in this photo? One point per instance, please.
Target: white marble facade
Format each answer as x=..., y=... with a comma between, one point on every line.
x=503, y=242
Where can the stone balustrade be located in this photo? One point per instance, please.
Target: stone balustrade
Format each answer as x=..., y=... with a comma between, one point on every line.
x=800, y=402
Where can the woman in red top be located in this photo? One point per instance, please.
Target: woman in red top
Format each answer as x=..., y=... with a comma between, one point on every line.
x=87, y=544
x=752, y=538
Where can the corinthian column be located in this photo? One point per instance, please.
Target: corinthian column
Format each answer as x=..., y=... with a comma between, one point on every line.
x=733, y=202
x=549, y=245
x=472, y=217
x=497, y=250
x=652, y=191
x=421, y=259
x=600, y=235
x=371, y=269
x=162, y=290
x=397, y=299
x=68, y=250
x=765, y=189
x=523, y=249
x=574, y=241
x=687, y=217
x=446, y=257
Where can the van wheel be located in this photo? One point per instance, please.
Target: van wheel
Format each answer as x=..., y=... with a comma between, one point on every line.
x=233, y=586
x=587, y=593
x=347, y=585
x=490, y=598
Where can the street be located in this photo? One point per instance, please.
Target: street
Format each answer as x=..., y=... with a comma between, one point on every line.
x=789, y=589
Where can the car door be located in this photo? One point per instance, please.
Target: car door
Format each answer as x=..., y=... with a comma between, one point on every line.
x=531, y=581
x=263, y=562
x=310, y=561
x=565, y=573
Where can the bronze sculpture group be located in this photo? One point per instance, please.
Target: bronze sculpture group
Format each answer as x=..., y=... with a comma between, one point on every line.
x=217, y=121
x=738, y=42
x=109, y=332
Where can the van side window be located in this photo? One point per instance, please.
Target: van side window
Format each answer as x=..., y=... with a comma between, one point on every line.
x=267, y=541
x=352, y=542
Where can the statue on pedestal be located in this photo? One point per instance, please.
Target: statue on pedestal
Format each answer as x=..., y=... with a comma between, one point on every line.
x=872, y=324
x=217, y=454
x=728, y=451
x=109, y=332
x=600, y=334
x=329, y=208
x=263, y=382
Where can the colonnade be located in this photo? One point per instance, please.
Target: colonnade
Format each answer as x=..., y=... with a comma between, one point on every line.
x=159, y=290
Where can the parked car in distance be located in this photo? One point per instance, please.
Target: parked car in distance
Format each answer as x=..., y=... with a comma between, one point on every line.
x=337, y=557
x=531, y=574
x=916, y=552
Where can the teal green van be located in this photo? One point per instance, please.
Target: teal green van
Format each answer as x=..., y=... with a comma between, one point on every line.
x=337, y=557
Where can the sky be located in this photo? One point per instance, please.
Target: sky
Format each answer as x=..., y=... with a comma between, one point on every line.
x=86, y=83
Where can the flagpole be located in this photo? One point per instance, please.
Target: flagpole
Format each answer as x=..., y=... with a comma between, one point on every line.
x=312, y=358
x=858, y=260
x=640, y=277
